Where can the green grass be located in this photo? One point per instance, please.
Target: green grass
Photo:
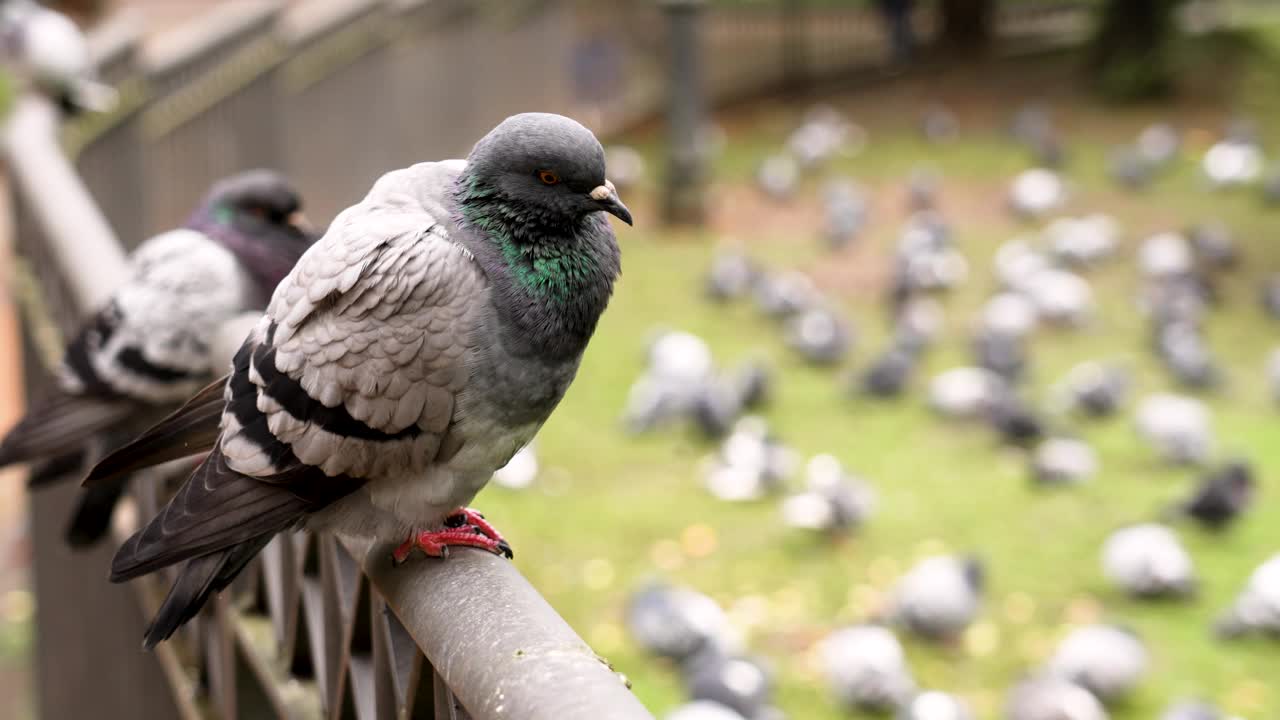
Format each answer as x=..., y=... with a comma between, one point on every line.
x=610, y=509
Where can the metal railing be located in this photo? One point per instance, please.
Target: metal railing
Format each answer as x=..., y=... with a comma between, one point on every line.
x=333, y=93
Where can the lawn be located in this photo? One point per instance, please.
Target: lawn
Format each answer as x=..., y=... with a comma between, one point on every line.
x=612, y=511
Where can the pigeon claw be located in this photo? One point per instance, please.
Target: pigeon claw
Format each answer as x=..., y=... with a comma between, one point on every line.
x=462, y=528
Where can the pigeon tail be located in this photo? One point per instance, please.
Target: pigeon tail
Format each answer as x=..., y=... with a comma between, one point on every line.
x=200, y=579
x=92, y=517
x=58, y=425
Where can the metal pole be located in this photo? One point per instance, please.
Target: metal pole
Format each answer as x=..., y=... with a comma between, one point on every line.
x=498, y=645
x=685, y=183
x=72, y=225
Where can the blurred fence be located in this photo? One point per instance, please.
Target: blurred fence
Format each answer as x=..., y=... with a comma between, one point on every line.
x=334, y=93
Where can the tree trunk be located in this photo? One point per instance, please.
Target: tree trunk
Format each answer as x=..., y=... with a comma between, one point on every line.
x=1130, y=51
x=967, y=25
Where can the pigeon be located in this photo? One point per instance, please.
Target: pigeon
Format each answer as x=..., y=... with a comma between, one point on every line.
x=1257, y=609
x=1148, y=561
x=1186, y=355
x=1129, y=168
x=823, y=134
x=1106, y=660
x=934, y=705
x=1008, y=315
x=152, y=344
x=784, y=294
x=1214, y=245
x=731, y=276
x=1004, y=354
x=1232, y=162
x=965, y=392
x=47, y=49
x=1060, y=297
x=939, y=597
x=889, y=374
x=922, y=189
x=917, y=323
x=751, y=463
x=678, y=623
x=866, y=668
x=1082, y=242
x=1063, y=461
x=740, y=683
x=1052, y=698
x=411, y=352
x=1094, y=389
x=1192, y=710
x=1015, y=420
x=1037, y=192
x=833, y=502
x=1017, y=262
x=1177, y=427
x=779, y=177
x=939, y=124
x=680, y=372
x=819, y=335
x=1222, y=495
x=1158, y=144
x=1166, y=255
x=844, y=213
x=703, y=710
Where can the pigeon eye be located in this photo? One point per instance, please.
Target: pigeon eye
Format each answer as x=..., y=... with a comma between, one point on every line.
x=548, y=178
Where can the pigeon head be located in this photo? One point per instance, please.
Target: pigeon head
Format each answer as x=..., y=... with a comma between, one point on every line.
x=256, y=215
x=545, y=173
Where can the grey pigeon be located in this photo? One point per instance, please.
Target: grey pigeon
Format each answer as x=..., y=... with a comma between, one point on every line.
x=411, y=352
x=680, y=375
x=1165, y=255
x=731, y=276
x=781, y=295
x=1158, y=144
x=1063, y=461
x=1129, y=168
x=1094, y=389
x=939, y=124
x=1106, y=660
x=1257, y=608
x=1148, y=561
x=779, y=177
x=1232, y=162
x=751, y=463
x=866, y=668
x=1037, y=192
x=890, y=373
x=917, y=323
x=741, y=683
x=1214, y=245
x=1009, y=315
x=833, y=502
x=965, y=392
x=1004, y=354
x=678, y=623
x=934, y=705
x=939, y=597
x=1221, y=496
x=1191, y=710
x=1015, y=420
x=1185, y=353
x=51, y=54
x=153, y=343
x=1052, y=698
x=844, y=213
x=1177, y=427
x=1060, y=297
x=1082, y=242
x=820, y=335
x=923, y=185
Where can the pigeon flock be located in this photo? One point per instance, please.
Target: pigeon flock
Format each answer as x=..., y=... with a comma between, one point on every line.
x=1042, y=284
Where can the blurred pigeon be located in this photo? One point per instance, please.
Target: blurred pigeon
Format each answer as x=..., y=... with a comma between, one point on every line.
x=1095, y=389
x=889, y=374
x=923, y=185
x=939, y=124
x=520, y=471
x=1037, y=192
x=1017, y=263
x=731, y=276
x=151, y=345
x=1257, y=609
x=1192, y=710
x=456, y=336
x=1232, y=162
x=1004, y=354
x=1158, y=144
x=715, y=405
x=703, y=710
x=1106, y=660
x=924, y=231
x=918, y=323
x=1031, y=122
x=1008, y=314
x=833, y=501
x=1176, y=426
x=1052, y=698
x=1129, y=168
x=1186, y=354
x=751, y=463
x=1148, y=561
x=965, y=392
x=753, y=381
x=680, y=371
x=819, y=335
x=778, y=176
x=784, y=294
x=678, y=623
x=867, y=668
x=934, y=705
x=823, y=134
x=1165, y=255
x=626, y=166
x=1060, y=297
x=844, y=213
x=1063, y=461
x=742, y=684
x=1081, y=242
x=1214, y=245
x=939, y=597
x=1223, y=493
x=47, y=49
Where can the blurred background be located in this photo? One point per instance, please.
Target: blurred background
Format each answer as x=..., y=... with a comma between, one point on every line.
x=952, y=318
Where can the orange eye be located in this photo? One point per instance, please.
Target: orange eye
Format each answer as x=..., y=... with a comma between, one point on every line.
x=548, y=178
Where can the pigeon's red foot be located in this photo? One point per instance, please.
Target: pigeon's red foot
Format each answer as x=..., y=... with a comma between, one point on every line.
x=464, y=527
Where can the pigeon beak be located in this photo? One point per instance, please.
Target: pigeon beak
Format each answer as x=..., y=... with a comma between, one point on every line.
x=300, y=221
x=607, y=197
